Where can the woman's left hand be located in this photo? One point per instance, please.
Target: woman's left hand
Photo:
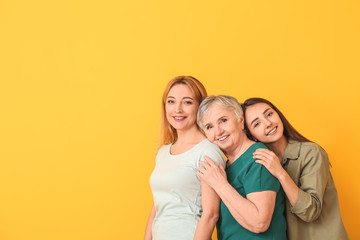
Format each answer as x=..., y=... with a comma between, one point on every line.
x=212, y=174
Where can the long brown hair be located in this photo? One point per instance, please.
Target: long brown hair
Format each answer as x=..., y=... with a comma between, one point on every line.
x=289, y=131
x=168, y=133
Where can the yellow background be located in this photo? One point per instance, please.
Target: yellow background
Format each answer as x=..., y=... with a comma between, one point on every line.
x=80, y=90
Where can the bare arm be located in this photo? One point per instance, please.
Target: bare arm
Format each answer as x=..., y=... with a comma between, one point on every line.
x=254, y=212
x=210, y=204
x=148, y=230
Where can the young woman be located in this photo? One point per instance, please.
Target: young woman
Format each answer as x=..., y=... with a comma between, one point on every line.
x=252, y=201
x=302, y=167
x=184, y=207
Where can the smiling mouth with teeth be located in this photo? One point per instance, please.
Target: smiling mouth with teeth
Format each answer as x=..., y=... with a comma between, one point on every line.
x=273, y=130
x=222, y=138
x=179, y=118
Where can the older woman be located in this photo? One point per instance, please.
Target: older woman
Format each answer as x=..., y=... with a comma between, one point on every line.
x=252, y=201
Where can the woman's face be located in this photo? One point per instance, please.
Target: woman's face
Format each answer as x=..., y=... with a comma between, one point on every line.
x=181, y=107
x=264, y=123
x=222, y=127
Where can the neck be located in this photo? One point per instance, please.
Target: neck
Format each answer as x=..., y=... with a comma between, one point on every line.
x=279, y=146
x=234, y=154
x=190, y=135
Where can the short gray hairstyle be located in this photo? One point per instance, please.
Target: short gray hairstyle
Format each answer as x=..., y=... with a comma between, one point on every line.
x=227, y=102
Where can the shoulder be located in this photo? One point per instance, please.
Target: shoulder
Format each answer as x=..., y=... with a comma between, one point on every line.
x=310, y=151
x=260, y=145
x=312, y=148
x=247, y=156
x=211, y=150
x=256, y=146
x=207, y=145
x=257, y=177
x=163, y=150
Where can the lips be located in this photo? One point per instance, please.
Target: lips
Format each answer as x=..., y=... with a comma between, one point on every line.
x=223, y=138
x=271, y=131
x=179, y=118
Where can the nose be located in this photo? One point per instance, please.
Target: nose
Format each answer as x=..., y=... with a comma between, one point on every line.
x=267, y=122
x=178, y=108
x=218, y=130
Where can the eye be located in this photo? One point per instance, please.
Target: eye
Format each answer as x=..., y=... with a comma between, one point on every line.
x=188, y=102
x=208, y=127
x=170, y=101
x=223, y=120
x=256, y=124
x=269, y=114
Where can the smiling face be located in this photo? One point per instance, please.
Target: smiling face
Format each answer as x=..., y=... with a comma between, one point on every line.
x=264, y=123
x=222, y=127
x=181, y=107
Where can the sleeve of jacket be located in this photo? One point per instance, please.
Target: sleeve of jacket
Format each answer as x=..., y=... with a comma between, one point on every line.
x=313, y=180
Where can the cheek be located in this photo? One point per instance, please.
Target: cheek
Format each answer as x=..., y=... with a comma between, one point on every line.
x=168, y=112
x=281, y=125
x=168, y=118
x=167, y=109
x=193, y=111
x=210, y=136
x=256, y=133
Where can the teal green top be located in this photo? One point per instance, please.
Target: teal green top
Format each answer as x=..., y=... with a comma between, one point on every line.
x=247, y=176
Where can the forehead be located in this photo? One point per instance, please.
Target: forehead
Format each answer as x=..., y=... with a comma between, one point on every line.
x=216, y=111
x=180, y=90
x=256, y=110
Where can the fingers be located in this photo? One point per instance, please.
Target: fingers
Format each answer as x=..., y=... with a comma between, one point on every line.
x=260, y=156
x=221, y=165
x=264, y=163
x=200, y=171
x=209, y=160
x=204, y=164
x=208, y=167
x=265, y=152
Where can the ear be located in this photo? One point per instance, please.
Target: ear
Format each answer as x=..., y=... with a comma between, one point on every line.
x=242, y=123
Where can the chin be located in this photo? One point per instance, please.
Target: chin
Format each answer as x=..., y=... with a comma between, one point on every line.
x=223, y=148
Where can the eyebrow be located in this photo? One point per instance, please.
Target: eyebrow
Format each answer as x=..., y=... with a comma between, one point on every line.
x=182, y=98
x=258, y=118
x=254, y=120
x=188, y=98
x=224, y=116
x=266, y=110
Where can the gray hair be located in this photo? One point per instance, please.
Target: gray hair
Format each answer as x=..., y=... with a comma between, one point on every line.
x=227, y=102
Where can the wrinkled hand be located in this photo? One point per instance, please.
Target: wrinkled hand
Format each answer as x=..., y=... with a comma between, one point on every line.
x=212, y=174
x=269, y=160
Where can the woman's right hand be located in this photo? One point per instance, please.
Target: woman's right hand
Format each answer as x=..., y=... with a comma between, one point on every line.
x=212, y=174
x=269, y=160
